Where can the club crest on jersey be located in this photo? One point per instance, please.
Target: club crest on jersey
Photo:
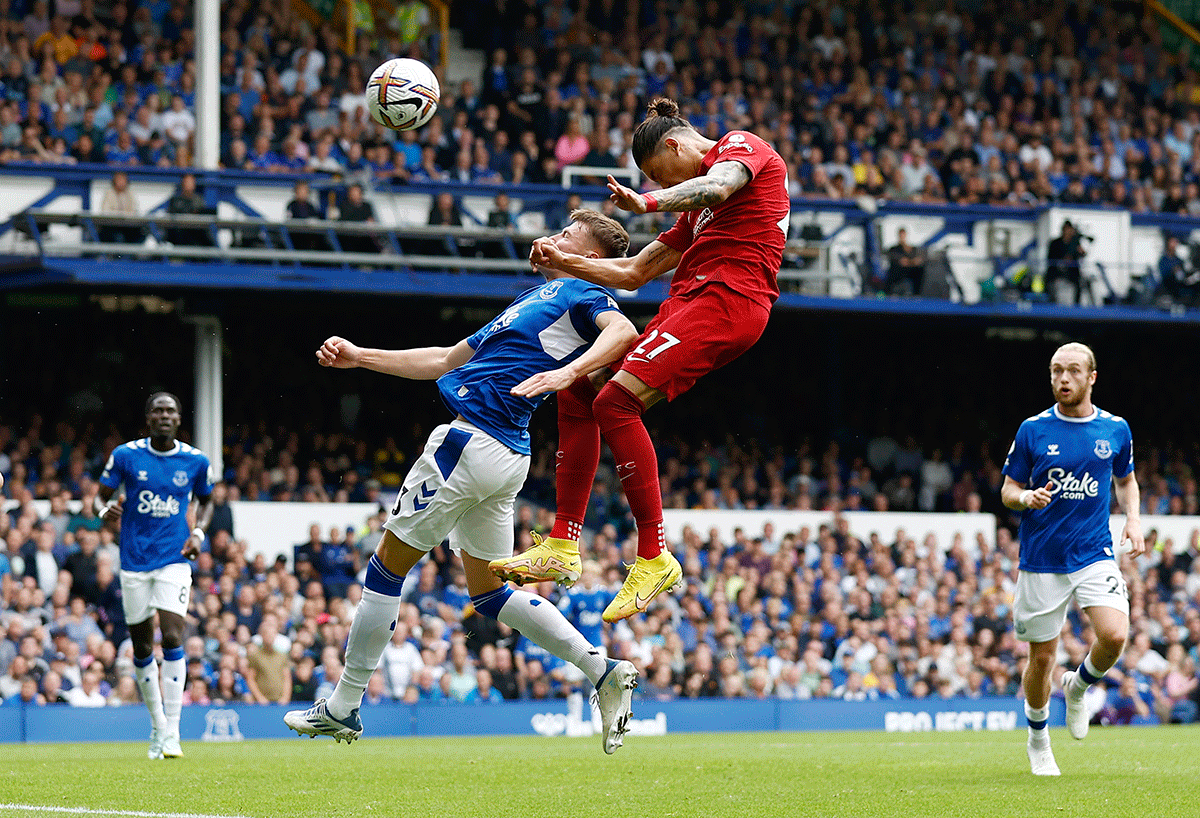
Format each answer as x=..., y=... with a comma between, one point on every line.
x=181, y=478
x=550, y=290
x=1103, y=449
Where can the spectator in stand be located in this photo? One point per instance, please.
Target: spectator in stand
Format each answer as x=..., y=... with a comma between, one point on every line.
x=268, y=673
x=906, y=267
x=1062, y=264
x=357, y=209
x=573, y=145
x=187, y=202
x=301, y=208
x=444, y=213
x=119, y=201
x=1174, y=280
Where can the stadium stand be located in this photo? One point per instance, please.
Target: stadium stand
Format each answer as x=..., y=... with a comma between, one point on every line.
x=917, y=107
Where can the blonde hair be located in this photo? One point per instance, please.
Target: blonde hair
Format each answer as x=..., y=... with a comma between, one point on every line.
x=609, y=235
x=1075, y=346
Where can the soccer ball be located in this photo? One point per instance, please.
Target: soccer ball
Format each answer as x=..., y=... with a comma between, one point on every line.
x=402, y=94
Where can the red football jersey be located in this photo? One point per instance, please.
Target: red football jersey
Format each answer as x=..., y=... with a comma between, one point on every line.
x=738, y=243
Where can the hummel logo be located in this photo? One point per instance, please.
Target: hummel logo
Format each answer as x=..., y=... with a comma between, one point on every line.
x=426, y=495
x=1052, y=449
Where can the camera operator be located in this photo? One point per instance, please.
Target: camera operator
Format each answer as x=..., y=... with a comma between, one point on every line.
x=1062, y=261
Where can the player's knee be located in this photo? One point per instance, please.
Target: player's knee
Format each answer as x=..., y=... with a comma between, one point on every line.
x=571, y=404
x=576, y=400
x=616, y=406
x=1112, y=637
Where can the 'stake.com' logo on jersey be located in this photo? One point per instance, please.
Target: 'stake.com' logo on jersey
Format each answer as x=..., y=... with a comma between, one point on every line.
x=1066, y=485
x=150, y=503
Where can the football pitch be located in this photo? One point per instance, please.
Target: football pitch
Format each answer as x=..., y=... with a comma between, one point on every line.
x=1148, y=771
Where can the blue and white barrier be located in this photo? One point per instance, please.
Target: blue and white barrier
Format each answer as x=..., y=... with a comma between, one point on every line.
x=550, y=718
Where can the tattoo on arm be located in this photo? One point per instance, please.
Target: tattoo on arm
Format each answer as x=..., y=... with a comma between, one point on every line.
x=657, y=253
x=721, y=182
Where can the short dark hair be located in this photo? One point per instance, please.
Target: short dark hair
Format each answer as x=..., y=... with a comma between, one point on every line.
x=607, y=232
x=150, y=401
x=662, y=117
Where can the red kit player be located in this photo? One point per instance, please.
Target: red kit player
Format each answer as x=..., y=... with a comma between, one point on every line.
x=726, y=248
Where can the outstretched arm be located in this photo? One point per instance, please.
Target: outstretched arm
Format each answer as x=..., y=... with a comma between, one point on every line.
x=617, y=335
x=722, y=181
x=655, y=259
x=423, y=364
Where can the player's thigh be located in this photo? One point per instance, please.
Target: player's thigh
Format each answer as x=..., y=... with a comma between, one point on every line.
x=696, y=336
x=171, y=588
x=454, y=474
x=1101, y=586
x=485, y=531
x=1040, y=605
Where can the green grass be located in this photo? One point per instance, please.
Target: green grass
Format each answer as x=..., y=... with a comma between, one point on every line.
x=1116, y=771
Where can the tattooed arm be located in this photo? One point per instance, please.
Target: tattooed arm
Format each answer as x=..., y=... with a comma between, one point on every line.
x=722, y=181
x=624, y=273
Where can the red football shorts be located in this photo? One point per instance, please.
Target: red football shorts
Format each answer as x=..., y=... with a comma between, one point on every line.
x=692, y=335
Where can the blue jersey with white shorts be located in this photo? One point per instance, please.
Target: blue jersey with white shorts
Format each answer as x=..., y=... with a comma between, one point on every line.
x=1077, y=458
x=545, y=328
x=158, y=486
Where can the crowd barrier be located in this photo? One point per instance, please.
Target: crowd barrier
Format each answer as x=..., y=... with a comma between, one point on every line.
x=549, y=718
x=273, y=529
x=848, y=238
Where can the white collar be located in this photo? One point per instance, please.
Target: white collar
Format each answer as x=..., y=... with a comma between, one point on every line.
x=173, y=450
x=1058, y=414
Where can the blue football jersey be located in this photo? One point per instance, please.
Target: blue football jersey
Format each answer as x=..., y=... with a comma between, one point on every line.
x=158, y=486
x=1077, y=458
x=583, y=608
x=547, y=327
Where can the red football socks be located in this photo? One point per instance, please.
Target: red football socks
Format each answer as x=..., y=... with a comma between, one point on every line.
x=619, y=414
x=577, y=458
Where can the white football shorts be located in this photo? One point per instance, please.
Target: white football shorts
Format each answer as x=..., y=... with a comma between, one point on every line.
x=1041, y=600
x=463, y=487
x=163, y=589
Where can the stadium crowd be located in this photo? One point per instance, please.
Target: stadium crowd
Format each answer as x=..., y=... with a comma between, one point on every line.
x=971, y=103
x=808, y=613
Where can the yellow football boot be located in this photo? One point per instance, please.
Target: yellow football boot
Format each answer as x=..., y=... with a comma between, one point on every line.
x=647, y=579
x=550, y=559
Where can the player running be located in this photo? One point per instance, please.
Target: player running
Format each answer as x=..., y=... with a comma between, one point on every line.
x=726, y=248
x=1071, y=454
x=159, y=476
x=464, y=484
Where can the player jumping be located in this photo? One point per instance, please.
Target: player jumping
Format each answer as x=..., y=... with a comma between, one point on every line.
x=160, y=475
x=1070, y=454
x=465, y=483
x=726, y=248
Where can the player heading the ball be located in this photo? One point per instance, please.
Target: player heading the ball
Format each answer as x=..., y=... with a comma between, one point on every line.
x=726, y=248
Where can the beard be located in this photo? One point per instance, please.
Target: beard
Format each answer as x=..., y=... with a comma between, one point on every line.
x=1072, y=400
